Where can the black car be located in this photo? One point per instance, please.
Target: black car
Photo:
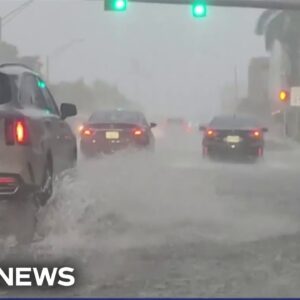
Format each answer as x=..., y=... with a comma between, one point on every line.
x=112, y=130
x=233, y=135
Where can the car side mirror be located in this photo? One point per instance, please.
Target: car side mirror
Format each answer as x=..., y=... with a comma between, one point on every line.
x=152, y=125
x=68, y=110
x=202, y=128
x=265, y=129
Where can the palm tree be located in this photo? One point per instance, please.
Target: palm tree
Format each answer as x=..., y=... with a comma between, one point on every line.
x=283, y=27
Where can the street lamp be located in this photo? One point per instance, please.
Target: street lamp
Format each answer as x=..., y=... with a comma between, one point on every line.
x=57, y=52
x=12, y=14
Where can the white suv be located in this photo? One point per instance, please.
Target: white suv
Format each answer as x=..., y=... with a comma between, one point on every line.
x=35, y=142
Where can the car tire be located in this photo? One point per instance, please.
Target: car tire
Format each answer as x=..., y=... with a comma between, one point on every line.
x=73, y=161
x=46, y=189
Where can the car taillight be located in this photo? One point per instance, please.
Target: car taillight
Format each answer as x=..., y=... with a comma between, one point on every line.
x=16, y=131
x=86, y=132
x=256, y=134
x=211, y=133
x=138, y=132
x=8, y=180
x=21, y=132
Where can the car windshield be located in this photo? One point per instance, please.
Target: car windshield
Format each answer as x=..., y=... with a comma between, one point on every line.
x=234, y=122
x=5, y=89
x=150, y=148
x=115, y=117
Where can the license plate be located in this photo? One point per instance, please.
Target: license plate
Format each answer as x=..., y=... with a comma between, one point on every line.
x=233, y=139
x=112, y=135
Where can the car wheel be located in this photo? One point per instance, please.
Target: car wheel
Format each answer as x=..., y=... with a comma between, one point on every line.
x=22, y=214
x=73, y=161
x=46, y=189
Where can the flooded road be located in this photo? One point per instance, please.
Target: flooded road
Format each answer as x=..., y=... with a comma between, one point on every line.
x=173, y=224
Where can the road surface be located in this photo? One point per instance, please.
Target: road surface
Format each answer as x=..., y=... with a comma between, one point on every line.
x=172, y=224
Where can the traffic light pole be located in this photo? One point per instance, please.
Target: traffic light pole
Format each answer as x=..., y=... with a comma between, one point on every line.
x=263, y=4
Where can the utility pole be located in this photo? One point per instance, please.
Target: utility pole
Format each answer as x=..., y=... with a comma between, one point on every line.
x=11, y=15
x=236, y=84
x=57, y=52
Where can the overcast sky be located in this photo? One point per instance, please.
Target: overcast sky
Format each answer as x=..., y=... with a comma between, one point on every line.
x=157, y=55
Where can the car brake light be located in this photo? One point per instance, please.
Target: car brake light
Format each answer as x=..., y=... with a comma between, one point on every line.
x=20, y=132
x=137, y=132
x=86, y=132
x=256, y=134
x=16, y=131
x=211, y=133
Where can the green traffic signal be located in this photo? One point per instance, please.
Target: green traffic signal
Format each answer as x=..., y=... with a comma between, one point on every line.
x=41, y=84
x=199, y=9
x=120, y=4
x=115, y=5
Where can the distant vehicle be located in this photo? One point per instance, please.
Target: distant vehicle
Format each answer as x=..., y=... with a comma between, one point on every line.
x=76, y=123
x=178, y=124
x=36, y=143
x=233, y=135
x=113, y=130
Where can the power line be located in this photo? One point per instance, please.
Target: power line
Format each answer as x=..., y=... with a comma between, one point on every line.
x=12, y=14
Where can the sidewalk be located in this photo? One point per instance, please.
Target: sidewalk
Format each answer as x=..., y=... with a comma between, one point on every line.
x=276, y=141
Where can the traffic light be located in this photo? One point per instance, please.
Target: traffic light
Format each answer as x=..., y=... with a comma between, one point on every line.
x=115, y=5
x=199, y=8
x=284, y=96
x=41, y=84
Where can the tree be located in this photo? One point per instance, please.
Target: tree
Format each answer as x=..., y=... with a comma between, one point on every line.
x=283, y=27
x=99, y=95
x=86, y=97
x=9, y=54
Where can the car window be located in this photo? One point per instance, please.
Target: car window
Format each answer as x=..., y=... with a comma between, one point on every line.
x=115, y=117
x=224, y=122
x=30, y=93
x=51, y=105
x=5, y=89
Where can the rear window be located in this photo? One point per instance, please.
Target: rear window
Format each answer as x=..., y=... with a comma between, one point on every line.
x=116, y=117
x=5, y=89
x=235, y=122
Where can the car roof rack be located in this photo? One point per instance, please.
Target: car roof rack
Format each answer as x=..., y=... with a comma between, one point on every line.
x=16, y=65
